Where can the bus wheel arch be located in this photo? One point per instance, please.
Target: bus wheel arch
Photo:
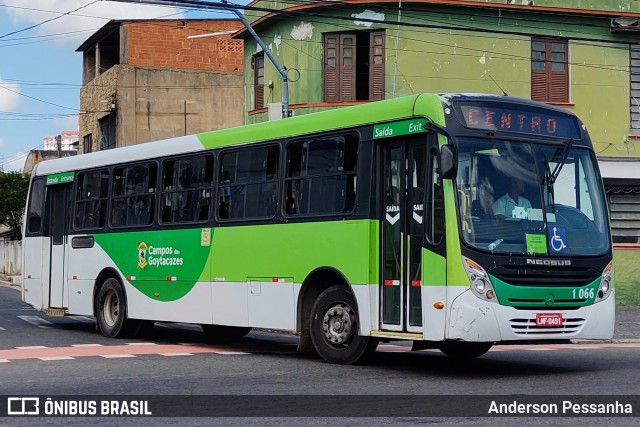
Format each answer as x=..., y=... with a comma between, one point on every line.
x=314, y=284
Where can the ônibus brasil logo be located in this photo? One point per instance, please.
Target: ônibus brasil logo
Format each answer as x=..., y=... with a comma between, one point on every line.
x=142, y=254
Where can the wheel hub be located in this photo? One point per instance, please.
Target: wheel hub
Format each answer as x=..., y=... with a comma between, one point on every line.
x=339, y=325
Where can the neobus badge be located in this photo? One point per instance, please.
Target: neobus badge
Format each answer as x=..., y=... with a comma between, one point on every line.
x=551, y=262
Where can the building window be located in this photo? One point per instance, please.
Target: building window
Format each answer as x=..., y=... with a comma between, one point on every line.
x=258, y=80
x=248, y=184
x=354, y=66
x=549, y=70
x=107, y=132
x=624, y=205
x=634, y=88
x=87, y=143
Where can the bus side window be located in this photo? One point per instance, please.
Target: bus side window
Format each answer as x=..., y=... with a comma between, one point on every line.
x=36, y=205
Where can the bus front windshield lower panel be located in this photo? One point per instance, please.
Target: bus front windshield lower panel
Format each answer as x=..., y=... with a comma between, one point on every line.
x=521, y=198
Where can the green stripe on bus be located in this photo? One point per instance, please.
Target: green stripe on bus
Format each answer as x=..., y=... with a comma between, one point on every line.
x=545, y=297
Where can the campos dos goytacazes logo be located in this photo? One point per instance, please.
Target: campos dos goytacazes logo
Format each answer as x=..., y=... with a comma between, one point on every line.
x=142, y=254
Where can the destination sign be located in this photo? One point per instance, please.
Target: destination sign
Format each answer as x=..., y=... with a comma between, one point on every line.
x=500, y=118
x=405, y=127
x=60, y=178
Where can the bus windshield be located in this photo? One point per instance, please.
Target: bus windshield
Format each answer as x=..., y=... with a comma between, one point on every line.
x=530, y=198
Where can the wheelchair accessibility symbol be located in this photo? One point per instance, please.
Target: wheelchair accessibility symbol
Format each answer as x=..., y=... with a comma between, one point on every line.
x=557, y=239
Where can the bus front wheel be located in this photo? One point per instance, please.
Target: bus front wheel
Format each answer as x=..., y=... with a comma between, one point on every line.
x=112, y=311
x=334, y=328
x=464, y=350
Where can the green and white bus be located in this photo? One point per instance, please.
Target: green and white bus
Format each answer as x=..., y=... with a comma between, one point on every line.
x=457, y=221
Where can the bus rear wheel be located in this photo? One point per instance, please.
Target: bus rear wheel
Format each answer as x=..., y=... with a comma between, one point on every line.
x=112, y=311
x=221, y=333
x=464, y=350
x=334, y=328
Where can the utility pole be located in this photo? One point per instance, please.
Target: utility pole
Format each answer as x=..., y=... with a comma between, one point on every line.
x=199, y=4
x=59, y=145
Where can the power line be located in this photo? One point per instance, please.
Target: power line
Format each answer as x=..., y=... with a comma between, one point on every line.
x=47, y=20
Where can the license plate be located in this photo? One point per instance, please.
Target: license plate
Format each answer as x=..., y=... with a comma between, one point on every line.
x=549, y=319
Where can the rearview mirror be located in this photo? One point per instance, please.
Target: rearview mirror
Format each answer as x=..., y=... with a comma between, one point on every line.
x=448, y=161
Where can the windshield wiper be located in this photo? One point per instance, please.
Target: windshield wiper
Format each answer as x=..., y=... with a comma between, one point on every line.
x=549, y=183
x=563, y=159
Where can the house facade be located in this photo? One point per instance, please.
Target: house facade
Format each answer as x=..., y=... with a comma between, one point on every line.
x=582, y=56
x=147, y=80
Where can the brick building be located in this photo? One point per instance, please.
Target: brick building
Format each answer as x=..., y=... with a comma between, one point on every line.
x=144, y=80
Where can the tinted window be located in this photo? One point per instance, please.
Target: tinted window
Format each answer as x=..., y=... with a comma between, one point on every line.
x=36, y=206
x=133, y=195
x=186, y=189
x=248, y=183
x=321, y=176
x=91, y=200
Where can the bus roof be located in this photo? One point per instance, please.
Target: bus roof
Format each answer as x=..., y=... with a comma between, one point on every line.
x=429, y=105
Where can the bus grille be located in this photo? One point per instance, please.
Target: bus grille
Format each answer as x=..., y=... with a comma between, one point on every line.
x=534, y=275
x=527, y=327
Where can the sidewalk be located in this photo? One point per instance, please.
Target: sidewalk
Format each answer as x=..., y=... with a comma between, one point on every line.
x=627, y=318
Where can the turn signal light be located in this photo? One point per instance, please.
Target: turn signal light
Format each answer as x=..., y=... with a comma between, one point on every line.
x=438, y=305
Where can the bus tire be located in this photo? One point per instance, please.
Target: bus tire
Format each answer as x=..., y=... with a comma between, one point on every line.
x=112, y=311
x=334, y=328
x=221, y=333
x=464, y=350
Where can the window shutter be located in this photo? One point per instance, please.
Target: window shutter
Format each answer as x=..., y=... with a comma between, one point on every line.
x=634, y=86
x=549, y=70
x=376, y=67
x=558, y=71
x=347, y=64
x=258, y=72
x=331, y=70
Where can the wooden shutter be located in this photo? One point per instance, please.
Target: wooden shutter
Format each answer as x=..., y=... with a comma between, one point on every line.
x=634, y=86
x=331, y=68
x=376, y=66
x=258, y=80
x=558, y=71
x=549, y=70
x=347, y=63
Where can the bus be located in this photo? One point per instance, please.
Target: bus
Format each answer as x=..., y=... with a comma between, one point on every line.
x=455, y=221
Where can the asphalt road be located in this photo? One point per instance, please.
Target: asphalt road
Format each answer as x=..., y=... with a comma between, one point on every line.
x=66, y=356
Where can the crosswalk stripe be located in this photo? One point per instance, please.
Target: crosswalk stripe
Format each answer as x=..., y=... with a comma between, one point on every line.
x=49, y=358
x=116, y=356
x=37, y=321
x=176, y=354
x=86, y=345
x=2, y=329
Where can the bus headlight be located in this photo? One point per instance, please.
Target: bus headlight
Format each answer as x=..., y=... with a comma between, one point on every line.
x=604, y=290
x=479, y=279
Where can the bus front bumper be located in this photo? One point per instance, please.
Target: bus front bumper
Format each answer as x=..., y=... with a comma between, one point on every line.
x=473, y=319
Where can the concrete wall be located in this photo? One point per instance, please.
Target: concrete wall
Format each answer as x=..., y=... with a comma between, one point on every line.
x=12, y=260
x=157, y=103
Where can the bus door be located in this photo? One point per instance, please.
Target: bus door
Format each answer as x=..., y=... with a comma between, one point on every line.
x=402, y=224
x=58, y=213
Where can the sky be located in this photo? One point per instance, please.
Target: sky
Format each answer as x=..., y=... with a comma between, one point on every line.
x=40, y=70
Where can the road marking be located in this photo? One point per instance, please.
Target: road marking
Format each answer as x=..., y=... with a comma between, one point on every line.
x=32, y=347
x=86, y=345
x=176, y=354
x=56, y=358
x=116, y=356
x=37, y=321
x=2, y=329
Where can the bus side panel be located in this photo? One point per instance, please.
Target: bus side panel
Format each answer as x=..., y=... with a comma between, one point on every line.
x=35, y=271
x=229, y=303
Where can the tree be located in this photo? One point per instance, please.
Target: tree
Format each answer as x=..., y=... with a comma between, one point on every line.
x=13, y=197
